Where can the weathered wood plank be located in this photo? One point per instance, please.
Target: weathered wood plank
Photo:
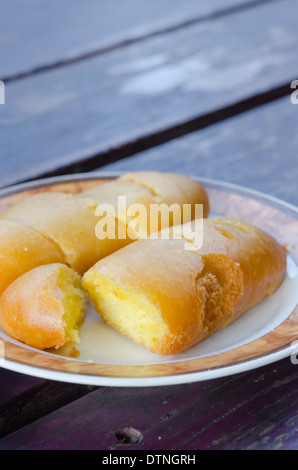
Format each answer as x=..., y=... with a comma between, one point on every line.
x=24, y=399
x=91, y=108
x=253, y=410
x=13, y=385
x=37, y=34
x=257, y=149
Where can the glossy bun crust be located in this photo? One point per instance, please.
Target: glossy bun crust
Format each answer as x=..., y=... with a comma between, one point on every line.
x=49, y=239
x=21, y=249
x=68, y=222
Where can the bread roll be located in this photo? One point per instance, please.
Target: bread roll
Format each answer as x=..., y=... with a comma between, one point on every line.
x=169, y=298
x=171, y=188
x=69, y=221
x=109, y=193
x=44, y=307
x=154, y=188
x=22, y=249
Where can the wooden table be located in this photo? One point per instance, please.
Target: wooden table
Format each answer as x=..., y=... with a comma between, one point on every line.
x=201, y=88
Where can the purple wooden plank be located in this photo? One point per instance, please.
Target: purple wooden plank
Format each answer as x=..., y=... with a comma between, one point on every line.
x=24, y=399
x=255, y=409
x=13, y=385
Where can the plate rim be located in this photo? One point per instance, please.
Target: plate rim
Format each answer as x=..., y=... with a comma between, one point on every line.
x=157, y=380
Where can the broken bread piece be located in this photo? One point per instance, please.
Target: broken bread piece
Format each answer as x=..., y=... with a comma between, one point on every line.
x=169, y=298
x=44, y=307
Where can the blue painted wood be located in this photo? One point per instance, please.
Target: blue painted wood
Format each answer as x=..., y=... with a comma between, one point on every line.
x=96, y=107
x=257, y=149
x=38, y=33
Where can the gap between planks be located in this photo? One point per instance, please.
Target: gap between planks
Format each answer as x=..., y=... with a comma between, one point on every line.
x=91, y=162
x=37, y=402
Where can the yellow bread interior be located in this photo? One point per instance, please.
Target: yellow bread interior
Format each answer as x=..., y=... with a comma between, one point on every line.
x=74, y=303
x=128, y=312
x=44, y=307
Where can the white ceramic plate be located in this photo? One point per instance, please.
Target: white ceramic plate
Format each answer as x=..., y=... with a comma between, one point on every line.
x=262, y=335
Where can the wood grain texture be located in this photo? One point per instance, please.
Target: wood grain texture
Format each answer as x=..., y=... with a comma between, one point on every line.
x=92, y=108
x=253, y=410
x=37, y=34
x=13, y=385
x=24, y=399
x=257, y=149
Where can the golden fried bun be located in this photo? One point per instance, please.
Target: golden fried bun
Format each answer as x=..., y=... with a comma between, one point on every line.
x=168, y=298
x=22, y=249
x=171, y=188
x=68, y=222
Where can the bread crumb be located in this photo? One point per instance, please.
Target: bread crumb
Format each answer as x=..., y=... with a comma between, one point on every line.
x=74, y=352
